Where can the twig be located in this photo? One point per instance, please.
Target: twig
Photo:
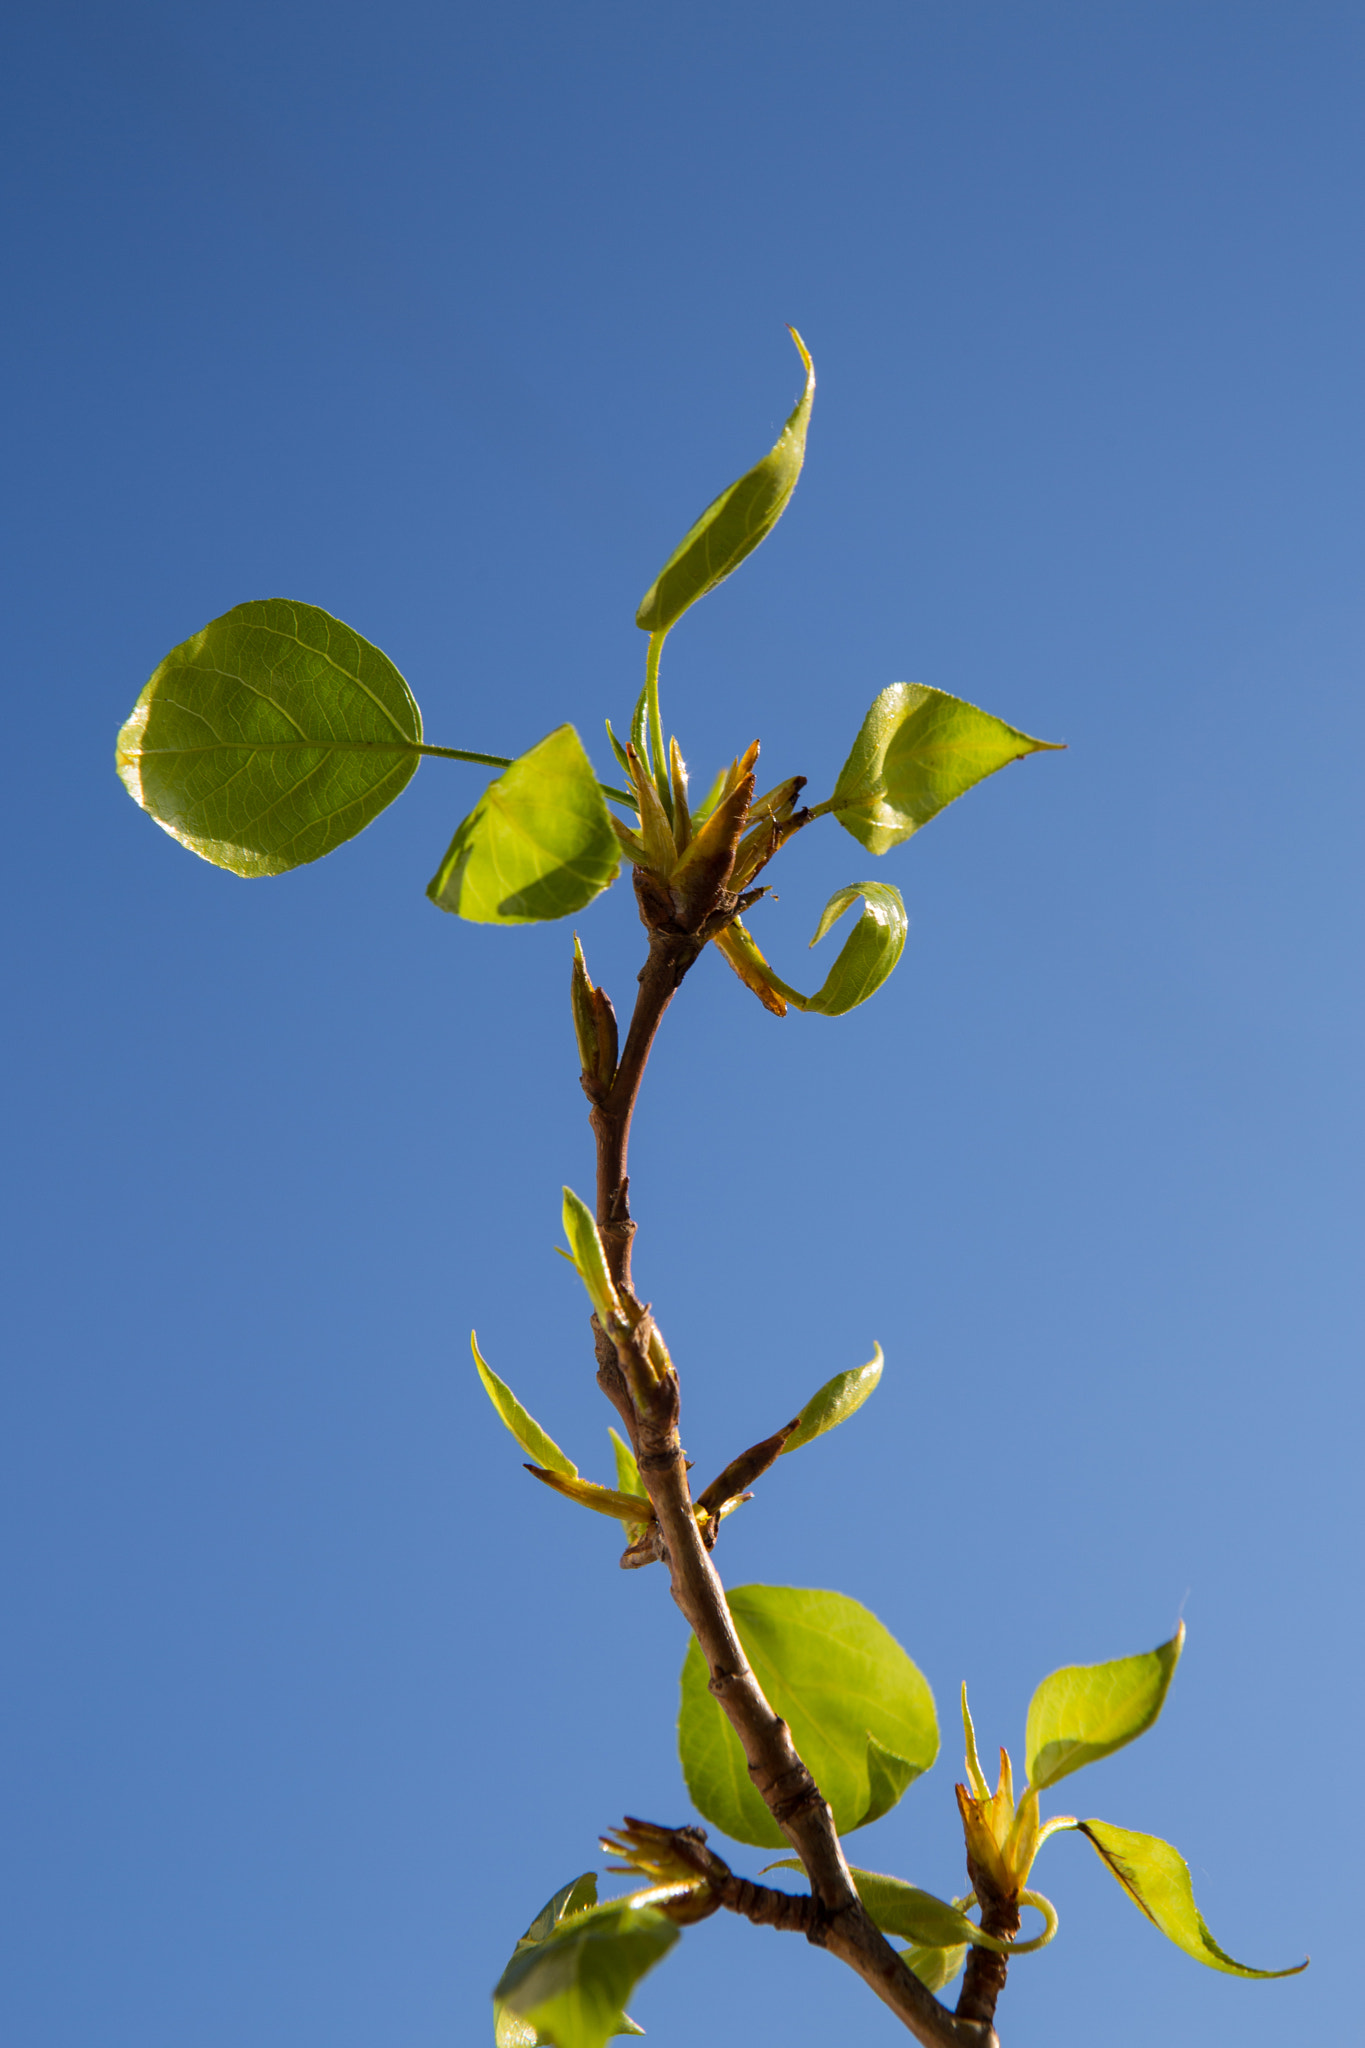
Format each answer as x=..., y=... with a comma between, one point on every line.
x=777, y=1770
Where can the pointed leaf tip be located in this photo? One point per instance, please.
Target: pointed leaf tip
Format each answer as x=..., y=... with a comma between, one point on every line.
x=917, y=751
x=1087, y=1711
x=524, y=1427
x=733, y=524
x=839, y=1398
x=1157, y=1879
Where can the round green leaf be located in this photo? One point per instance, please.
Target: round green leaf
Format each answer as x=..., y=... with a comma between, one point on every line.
x=539, y=843
x=269, y=738
x=860, y=1712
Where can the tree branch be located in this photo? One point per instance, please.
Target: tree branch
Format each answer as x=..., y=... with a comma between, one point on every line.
x=777, y=1770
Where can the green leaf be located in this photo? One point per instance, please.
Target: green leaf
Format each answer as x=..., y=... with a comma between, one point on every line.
x=508, y=2030
x=585, y=1249
x=865, y=960
x=524, y=1427
x=850, y=1694
x=944, y=1931
x=917, y=750
x=1157, y=1879
x=269, y=738
x=836, y=1401
x=870, y=951
x=603, y=1500
x=538, y=844
x=934, y=1967
x=628, y=1478
x=628, y=1481
x=732, y=524
x=572, y=1985
x=1087, y=1711
x=903, y=1909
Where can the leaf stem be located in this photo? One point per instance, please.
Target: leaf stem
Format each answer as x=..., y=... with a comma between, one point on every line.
x=619, y=796
x=656, y=726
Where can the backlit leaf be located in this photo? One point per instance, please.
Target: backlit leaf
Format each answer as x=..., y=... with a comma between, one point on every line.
x=852, y=1698
x=934, y=1967
x=918, y=749
x=270, y=737
x=585, y=1246
x=603, y=1500
x=1087, y=1711
x=509, y=2031
x=868, y=954
x=903, y=1909
x=628, y=1478
x=538, y=844
x=1157, y=1879
x=732, y=524
x=836, y=1401
x=572, y=1986
x=524, y=1427
x=866, y=958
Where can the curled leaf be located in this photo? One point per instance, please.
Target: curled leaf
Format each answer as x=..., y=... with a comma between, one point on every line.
x=917, y=750
x=867, y=956
x=1087, y=1711
x=835, y=1402
x=733, y=524
x=1157, y=1879
x=869, y=952
x=270, y=737
x=524, y=1427
x=538, y=844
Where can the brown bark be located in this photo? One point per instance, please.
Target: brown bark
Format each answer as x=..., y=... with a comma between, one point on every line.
x=984, y=1977
x=678, y=931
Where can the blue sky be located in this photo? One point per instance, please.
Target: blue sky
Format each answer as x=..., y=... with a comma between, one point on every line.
x=450, y=321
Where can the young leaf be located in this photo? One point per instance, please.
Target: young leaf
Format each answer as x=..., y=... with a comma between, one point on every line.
x=869, y=952
x=836, y=1401
x=1087, y=1711
x=842, y=1683
x=603, y=1500
x=1157, y=1879
x=580, y=1227
x=628, y=1481
x=918, y=749
x=508, y=2030
x=270, y=738
x=539, y=843
x=572, y=1986
x=865, y=960
x=524, y=1427
x=732, y=524
x=935, y=1967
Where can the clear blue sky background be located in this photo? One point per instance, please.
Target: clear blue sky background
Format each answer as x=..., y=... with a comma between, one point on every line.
x=450, y=320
